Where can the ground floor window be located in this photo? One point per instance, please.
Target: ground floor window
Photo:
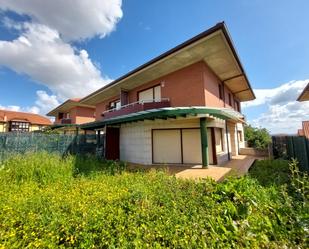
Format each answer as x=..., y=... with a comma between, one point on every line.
x=240, y=136
x=219, y=139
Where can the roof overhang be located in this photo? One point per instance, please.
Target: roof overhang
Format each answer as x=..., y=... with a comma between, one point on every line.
x=213, y=46
x=66, y=106
x=168, y=112
x=304, y=96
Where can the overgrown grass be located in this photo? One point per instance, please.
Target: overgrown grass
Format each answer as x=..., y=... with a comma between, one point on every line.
x=50, y=202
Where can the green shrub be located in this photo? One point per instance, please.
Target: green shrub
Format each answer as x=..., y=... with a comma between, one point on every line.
x=258, y=138
x=107, y=207
x=271, y=172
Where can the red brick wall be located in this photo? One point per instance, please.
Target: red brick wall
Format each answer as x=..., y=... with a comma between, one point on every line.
x=183, y=87
x=101, y=107
x=194, y=85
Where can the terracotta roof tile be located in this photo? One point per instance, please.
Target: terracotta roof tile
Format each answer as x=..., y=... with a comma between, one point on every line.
x=32, y=118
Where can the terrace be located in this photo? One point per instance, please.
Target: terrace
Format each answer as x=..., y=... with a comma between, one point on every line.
x=136, y=107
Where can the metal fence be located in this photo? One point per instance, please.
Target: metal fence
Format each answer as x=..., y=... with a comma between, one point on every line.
x=289, y=147
x=12, y=143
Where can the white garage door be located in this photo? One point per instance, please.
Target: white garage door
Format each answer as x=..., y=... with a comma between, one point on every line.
x=166, y=146
x=179, y=146
x=191, y=144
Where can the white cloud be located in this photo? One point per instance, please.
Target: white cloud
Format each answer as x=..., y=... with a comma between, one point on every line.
x=43, y=52
x=73, y=19
x=43, y=104
x=284, y=114
x=46, y=102
x=40, y=53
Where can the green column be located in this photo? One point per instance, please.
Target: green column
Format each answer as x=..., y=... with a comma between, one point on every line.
x=204, y=142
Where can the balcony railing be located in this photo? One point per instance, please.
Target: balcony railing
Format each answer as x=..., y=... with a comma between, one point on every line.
x=137, y=107
x=66, y=121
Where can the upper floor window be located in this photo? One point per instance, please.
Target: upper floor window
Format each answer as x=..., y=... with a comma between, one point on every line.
x=237, y=105
x=220, y=91
x=230, y=99
x=114, y=104
x=219, y=139
x=150, y=94
x=19, y=126
x=62, y=115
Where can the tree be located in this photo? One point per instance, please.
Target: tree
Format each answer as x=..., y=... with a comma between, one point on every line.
x=258, y=138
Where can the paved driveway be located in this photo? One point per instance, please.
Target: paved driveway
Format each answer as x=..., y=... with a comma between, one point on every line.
x=239, y=165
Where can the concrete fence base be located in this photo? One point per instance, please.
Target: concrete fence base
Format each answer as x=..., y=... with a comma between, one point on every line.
x=254, y=152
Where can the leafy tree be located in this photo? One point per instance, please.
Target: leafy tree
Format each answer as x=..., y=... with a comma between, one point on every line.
x=258, y=138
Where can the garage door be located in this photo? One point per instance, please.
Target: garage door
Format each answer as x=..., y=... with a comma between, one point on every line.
x=191, y=144
x=179, y=146
x=166, y=146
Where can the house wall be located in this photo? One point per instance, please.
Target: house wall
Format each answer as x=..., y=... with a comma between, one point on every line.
x=34, y=127
x=2, y=127
x=80, y=115
x=211, y=89
x=183, y=87
x=136, y=141
x=234, y=142
x=84, y=115
x=194, y=85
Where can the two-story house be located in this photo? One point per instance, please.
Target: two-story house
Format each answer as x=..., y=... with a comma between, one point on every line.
x=304, y=96
x=13, y=121
x=73, y=112
x=182, y=107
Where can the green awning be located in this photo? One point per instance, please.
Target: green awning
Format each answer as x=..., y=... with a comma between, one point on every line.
x=164, y=113
x=57, y=126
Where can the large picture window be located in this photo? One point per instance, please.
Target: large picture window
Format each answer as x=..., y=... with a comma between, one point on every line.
x=19, y=126
x=150, y=94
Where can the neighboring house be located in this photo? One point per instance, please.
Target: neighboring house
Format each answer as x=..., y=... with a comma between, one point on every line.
x=11, y=121
x=182, y=107
x=304, y=96
x=305, y=130
x=73, y=112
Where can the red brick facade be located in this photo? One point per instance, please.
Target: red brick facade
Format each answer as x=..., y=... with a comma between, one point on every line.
x=194, y=85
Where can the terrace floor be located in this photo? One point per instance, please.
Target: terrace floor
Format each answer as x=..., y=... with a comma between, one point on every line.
x=239, y=165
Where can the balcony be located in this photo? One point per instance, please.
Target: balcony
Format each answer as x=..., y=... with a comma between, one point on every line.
x=137, y=107
x=65, y=121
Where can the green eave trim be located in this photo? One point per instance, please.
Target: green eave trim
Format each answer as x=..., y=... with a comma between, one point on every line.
x=57, y=126
x=163, y=113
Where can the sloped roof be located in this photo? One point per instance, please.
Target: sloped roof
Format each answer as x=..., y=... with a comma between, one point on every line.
x=6, y=116
x=214, y=46
x=304, y=96
x=67, y=105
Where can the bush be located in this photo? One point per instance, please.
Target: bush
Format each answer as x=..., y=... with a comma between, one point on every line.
x=107, y=207
x=258, y=138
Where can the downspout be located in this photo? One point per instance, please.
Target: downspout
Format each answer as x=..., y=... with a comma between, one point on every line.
x=227, y=141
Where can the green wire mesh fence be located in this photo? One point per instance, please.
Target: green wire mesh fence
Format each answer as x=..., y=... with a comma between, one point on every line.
x=12, y=143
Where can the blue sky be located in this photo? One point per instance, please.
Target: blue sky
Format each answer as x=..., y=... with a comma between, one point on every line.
x=271, y=38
